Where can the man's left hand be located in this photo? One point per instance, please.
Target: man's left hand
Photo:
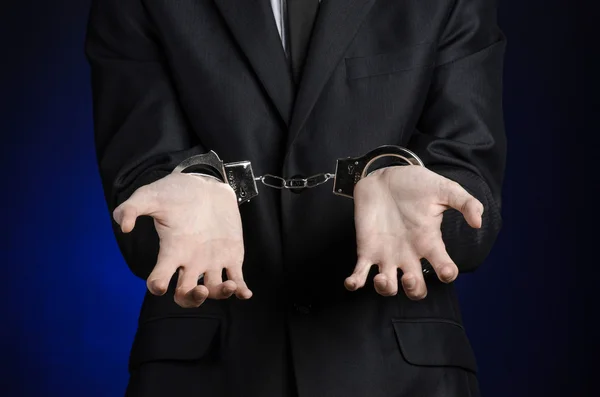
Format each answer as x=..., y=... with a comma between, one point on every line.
x=398, y=215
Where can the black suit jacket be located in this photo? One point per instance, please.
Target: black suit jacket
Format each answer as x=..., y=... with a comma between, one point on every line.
x=176, y=78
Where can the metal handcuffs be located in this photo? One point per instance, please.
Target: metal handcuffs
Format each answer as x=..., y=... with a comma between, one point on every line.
x=240, y=176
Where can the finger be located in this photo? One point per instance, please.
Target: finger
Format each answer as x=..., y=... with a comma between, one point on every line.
x=235, y=274
x=217, y=289
x=412, y=280
x=188, y=293
x=386, y=282
x=444, y=266
x=140, y=203
x=458, y=198
x=359, y=276
x=125, y=215
x=166, y=265
x=199, y=294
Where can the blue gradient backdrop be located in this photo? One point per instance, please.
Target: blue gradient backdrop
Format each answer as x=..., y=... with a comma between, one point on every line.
x=69, y=306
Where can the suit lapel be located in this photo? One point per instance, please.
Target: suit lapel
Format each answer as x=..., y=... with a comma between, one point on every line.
x=253, y=26
x=336, y=24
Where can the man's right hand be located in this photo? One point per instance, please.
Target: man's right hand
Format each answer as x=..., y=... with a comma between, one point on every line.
x=200, y=230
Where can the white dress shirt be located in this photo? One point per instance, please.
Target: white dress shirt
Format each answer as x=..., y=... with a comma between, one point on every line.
x=280, y=13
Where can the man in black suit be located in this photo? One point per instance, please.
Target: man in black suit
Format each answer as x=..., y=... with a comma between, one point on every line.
x=292, y=89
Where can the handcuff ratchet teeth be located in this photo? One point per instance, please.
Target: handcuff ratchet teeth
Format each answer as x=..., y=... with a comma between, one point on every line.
x=240, y=175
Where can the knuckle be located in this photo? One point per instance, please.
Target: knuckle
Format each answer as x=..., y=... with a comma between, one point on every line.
x=180, y=293
x=425, y=243
x=229, y=285
x=125, y=210
x=452, y=185
x=142, y=191
x=448, y=188
x=157, y=286
x=367, y=252
x=388, y=266
x=465, y=206
x=184, y=302
x=237, y=261
x=178, y=301
x=211, y=284
x=187, y=304
x=235, y=255
x=362, y=257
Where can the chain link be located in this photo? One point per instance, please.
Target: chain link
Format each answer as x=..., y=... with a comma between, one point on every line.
x=278, y=182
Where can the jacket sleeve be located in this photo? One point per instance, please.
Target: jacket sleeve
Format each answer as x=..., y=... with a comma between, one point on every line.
x=140, y=130
x=460, y=134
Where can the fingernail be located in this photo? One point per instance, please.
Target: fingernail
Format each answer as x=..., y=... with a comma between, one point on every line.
x=410, y=283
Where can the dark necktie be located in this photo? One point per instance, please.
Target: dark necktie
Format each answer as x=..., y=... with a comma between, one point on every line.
x=301, y=17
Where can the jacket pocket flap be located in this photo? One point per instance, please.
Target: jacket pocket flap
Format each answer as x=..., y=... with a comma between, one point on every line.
x=414, y=56
x=434, y=342
x=173, y=338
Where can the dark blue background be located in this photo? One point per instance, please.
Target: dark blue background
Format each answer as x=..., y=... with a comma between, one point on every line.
x=69, y=305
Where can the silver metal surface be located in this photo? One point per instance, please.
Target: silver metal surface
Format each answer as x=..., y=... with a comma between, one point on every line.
x=209, y=159
x=241, y=179
x=350, y=170
x=238, y=175
x=278, y=182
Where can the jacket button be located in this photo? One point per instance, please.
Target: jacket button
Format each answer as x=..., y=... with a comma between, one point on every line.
x=302, y=309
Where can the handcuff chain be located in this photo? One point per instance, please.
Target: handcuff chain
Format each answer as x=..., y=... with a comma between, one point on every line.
x=278, y=182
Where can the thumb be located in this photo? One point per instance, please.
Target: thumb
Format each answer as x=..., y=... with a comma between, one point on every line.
x=138, y=204
x=125, y=215
x=455, y=196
